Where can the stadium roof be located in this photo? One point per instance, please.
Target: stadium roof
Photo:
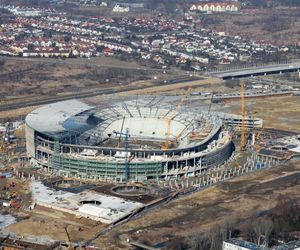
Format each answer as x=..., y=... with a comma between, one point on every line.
x=53, y=117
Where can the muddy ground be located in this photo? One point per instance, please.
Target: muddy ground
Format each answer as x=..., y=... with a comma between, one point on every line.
x=240, y=198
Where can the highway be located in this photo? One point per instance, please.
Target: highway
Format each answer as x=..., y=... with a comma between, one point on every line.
x=256, y=70
x=233, y=96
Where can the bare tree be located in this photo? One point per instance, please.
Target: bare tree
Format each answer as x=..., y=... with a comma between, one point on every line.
x=2, y=62
x=200, y=241
x=215, y=238
x=262, y=230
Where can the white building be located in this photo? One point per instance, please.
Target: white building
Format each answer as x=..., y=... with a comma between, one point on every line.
x=120, y=9
x=215, y=7
x=236, y=244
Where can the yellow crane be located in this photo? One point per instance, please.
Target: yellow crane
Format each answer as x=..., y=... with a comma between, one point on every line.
x=258, y=136
x=71, y=247
x=169, y=120
x=243, y=125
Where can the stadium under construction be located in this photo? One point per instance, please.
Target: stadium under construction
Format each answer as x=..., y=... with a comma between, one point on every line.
x=132, y=140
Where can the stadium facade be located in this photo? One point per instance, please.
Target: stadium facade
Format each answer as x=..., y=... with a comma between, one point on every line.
x=125, y=140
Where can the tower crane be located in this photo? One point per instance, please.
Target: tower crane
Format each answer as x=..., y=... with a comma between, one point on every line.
x=119, y=142
x=243, y=125
x=169, y=120
x=126, y=135
x=211, y=101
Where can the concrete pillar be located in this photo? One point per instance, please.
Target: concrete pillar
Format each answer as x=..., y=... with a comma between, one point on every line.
x=253, y=139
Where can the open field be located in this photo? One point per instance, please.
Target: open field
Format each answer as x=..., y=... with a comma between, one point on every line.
x=140, y=88
x=277, y=112
x=33, y=78
x=261, y=24
x=240, y=198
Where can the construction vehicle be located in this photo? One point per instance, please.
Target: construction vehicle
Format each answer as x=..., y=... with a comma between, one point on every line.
x=12, y=195
x=15, y=203
x=168, y=142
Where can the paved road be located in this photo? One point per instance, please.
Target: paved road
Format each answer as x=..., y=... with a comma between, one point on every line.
x=256, y=70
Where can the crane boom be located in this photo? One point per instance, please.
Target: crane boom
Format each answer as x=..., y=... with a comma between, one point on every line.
x=169, y=120
x=71, y=247
x=119, y=142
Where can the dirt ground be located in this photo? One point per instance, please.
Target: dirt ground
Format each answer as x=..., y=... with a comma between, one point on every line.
x=204, y=85
x=277, y=112
x=51, y=223
x=23, y=78
x=191, y=215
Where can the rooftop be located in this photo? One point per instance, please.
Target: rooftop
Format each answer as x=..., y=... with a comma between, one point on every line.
x=292, y=245
x=104, y=208
x=147, y=119
x=50, y=118
x=243, y=243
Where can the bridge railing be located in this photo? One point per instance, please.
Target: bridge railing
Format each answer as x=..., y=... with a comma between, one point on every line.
x=251, y=66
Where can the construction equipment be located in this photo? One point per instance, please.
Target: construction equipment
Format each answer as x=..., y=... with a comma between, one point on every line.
x=211, y=101
x=7, y=134
x=4, y=239
x=2, y=146
x=71, y=247
x=243, y=125
x=168, y=133
x=127, y=159
x=259, y=134
x=169, y=121
x=119, y=142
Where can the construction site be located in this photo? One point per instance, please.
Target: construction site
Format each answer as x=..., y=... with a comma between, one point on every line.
x=103, y=172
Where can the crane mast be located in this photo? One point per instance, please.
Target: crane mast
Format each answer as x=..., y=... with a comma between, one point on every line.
x=243, y=126
x=126, y=144
x=169, y=120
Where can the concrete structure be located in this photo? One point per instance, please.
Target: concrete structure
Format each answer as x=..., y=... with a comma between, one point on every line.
x=120, y=9
x=290, y=143
x=292, y=245
x=12, y=241
x=74, y=139
x=216, y=7
x=89, y=204
x=236, y=244
x=257, y=70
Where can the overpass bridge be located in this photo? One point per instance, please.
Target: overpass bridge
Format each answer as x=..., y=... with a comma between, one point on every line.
x=257, y=70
